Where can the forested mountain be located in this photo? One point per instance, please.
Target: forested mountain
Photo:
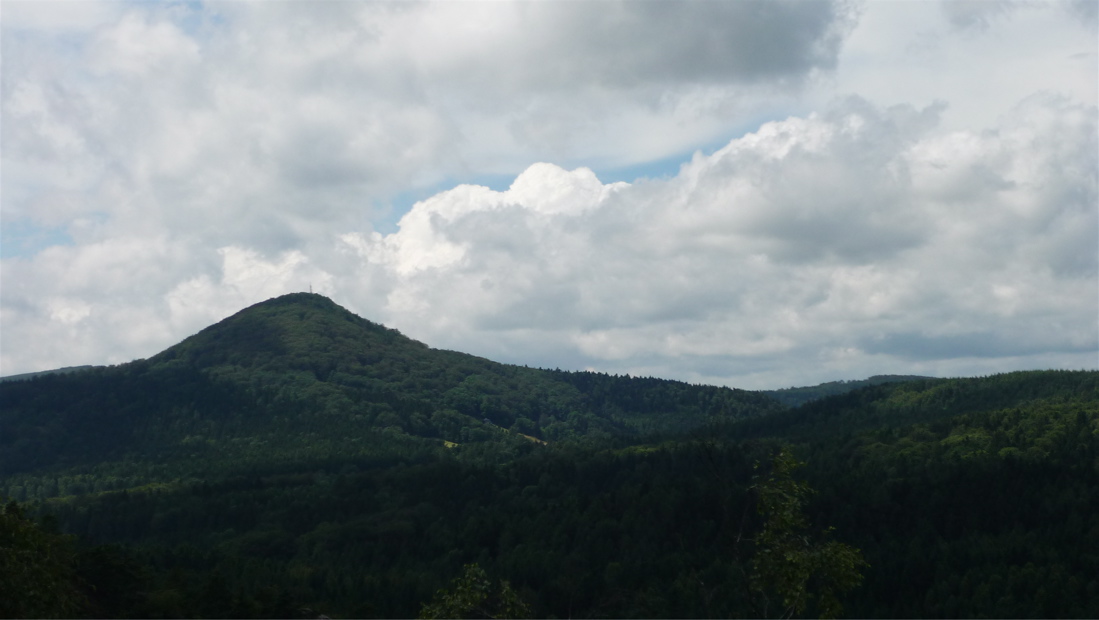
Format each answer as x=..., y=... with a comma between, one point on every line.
x=300, y=379
x=31, y=375
x=971, y=497
x=296, y=459
x=794, y=396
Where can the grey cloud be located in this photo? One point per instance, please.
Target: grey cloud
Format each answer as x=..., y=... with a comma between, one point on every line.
x=245, y=122
x=976, y=14
x=1086, y=11
x=256, y=165
x=838, y=192
x=504, y=47
x=791, y=242
x=626, y=43
x=317, y=157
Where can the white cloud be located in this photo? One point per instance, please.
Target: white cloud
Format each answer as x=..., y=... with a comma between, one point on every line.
x=37, y=16
x=979, y=57
x=858, y=230
x=312, y=108
x=905, y=187
x=246, y=277
x=134, y=46
x=127, y=298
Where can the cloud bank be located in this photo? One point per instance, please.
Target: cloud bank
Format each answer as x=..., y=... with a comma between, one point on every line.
x=852, y=237
x=166, y=165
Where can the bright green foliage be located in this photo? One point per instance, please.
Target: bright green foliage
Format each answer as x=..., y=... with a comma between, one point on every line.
x=790, y=565
x=37, y=569
x=472, y=596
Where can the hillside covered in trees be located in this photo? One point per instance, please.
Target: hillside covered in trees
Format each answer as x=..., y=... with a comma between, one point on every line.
x=296, y=460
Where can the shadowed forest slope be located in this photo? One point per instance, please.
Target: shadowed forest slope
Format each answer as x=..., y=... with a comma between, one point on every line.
x=300, y=378
x=295, y=459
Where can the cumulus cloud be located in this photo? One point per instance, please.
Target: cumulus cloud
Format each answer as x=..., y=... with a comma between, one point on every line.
x=165, y=165
x=857, y=231
x=116, y=300
x=207, y=110
x=843, y=240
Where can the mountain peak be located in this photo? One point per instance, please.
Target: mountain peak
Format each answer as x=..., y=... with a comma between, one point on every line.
x=299, y=299
x=293, y=331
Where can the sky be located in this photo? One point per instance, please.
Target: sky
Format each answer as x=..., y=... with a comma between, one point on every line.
x=742, y=193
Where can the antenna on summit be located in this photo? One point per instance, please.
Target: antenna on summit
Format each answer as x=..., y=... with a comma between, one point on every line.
x=310, y=288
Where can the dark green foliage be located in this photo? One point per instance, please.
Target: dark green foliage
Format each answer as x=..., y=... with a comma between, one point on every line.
x=31, y=375
x=796, y=396
x=296, y=460
x=788, y=565
x=472, y=595
x=297, y=380
x=651, y=406
x=37, y=569
x=114, y=582
x=381, y=541
x=900, y=404
x=969, y=497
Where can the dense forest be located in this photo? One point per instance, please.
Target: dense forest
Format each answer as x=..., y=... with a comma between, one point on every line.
x=794, y=396
x=297, y=460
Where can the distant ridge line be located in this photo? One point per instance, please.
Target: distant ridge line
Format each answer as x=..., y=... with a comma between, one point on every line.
x=41, y=373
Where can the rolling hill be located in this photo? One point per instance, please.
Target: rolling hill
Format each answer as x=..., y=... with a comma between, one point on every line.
x=301, y=378
x=295, y=459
